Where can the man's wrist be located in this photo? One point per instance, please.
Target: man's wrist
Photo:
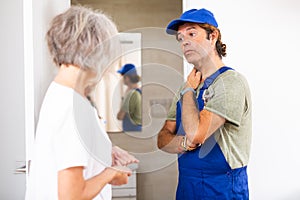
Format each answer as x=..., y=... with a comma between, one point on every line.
x=178, y=141
x=187, y=89
x=185, y=146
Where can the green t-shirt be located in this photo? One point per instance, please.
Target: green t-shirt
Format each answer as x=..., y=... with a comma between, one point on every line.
x=229, y=96
x=132, y=105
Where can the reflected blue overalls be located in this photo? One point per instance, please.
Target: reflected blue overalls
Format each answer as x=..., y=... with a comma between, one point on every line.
x=127, y=124
x=204, y=173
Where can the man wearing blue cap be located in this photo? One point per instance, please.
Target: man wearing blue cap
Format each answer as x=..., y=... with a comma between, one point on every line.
x=131, y=108
x=209, y=124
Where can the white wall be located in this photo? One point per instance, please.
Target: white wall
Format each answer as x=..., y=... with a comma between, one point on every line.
x=44, y=69
x=263, y=43
x=12, y=137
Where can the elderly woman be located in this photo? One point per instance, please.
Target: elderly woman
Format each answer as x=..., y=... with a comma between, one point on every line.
x=72, y=153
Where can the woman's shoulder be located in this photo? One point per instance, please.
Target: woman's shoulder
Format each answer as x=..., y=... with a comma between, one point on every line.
x=57, y=103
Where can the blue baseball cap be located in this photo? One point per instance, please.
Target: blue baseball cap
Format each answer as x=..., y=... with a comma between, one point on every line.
x=201, y=16
x=127, y=69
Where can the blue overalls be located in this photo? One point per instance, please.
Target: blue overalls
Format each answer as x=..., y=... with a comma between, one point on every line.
x=127, y=123
x=204, y=173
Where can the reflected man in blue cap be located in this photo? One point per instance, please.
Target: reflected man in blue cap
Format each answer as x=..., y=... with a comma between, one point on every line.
x=131, y=108
x=209, y=123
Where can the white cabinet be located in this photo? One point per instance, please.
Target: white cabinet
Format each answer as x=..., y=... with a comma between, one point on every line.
x=127, y=191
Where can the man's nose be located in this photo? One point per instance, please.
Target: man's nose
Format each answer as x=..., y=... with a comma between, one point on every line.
x=185, y=42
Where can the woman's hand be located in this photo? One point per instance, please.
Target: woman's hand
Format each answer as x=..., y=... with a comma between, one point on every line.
x=72, y=184
x=122, y=157
x=120, y=174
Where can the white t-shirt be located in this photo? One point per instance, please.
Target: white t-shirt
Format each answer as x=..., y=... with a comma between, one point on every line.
x=68, y=135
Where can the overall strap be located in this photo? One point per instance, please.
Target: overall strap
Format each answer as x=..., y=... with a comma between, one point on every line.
x=139, y=90
x=208, y=81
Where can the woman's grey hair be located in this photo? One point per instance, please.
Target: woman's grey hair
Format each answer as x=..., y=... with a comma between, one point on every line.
x=83, y=37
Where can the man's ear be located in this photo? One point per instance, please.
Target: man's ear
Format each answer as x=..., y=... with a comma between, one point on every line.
x=213, y=37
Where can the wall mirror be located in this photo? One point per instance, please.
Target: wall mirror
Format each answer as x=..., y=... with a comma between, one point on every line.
x=155, y=55
x=121, y=105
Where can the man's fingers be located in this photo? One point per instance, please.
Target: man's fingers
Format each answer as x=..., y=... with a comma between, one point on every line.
x=194, y=70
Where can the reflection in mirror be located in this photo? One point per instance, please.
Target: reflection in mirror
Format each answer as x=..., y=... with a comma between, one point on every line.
x=130, y=111
x=121, y=106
